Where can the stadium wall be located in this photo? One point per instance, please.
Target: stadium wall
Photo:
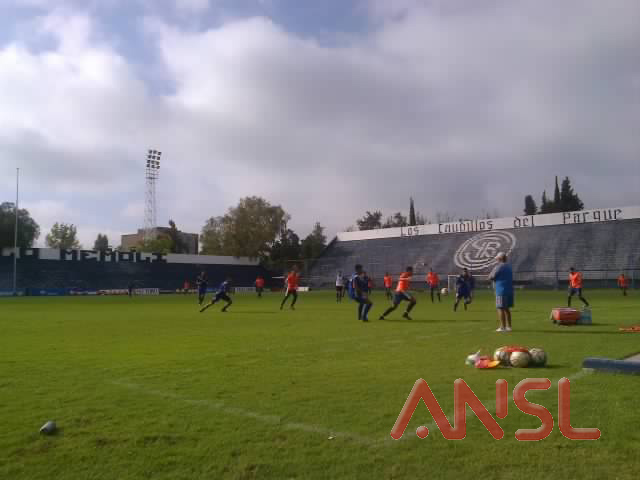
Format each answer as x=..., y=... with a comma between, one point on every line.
x=601, y=243
x=42, y=269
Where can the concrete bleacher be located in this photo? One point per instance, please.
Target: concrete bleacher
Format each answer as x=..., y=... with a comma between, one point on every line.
x=542, y=255
x=42, y=273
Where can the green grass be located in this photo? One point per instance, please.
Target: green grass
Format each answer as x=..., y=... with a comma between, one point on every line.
x=149, y=388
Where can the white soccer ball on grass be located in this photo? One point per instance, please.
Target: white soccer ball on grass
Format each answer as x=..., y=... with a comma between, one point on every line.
x=519, y=359
x=538, y=357
x=503, y=356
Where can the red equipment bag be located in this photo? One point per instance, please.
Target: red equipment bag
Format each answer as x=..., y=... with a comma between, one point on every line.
x=565, y=316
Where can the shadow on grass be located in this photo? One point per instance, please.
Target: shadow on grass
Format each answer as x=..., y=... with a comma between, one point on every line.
x=434, y=320
x=260, y=312
x=58, y=432
x=570, y=331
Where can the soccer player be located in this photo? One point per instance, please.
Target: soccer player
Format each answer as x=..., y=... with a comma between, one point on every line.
x=202, y=281
x=502, y=278
x=462, y=290
x=472, y=284
x=339, y=287
x=369, y=283
x=433, y=281
x=130, y=288
x=575, y=286
x=222, y=293
x=402, y=293
x=358, y=288
x=623, y=284
x=292, y=288
x=259, y=285
x=388, y=283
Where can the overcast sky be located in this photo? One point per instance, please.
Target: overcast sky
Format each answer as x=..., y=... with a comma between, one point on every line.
x=327, y=107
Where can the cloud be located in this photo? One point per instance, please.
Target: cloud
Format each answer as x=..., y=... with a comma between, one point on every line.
x=192, y=6
x=464, y=107
x=46, y=213
x=133, y=211
x=434, y=101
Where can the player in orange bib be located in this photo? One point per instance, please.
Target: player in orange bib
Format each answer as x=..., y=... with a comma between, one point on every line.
x=292, y=288
x=388, y=283
x=433, y=282
x=623, y=284
x=575, y=286
x=402, y=293
x=259, y=285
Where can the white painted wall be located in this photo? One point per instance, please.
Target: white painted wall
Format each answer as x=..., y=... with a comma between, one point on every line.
x=505, y=223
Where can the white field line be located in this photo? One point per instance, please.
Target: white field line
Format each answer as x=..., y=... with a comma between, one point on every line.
x=387, y=441
x=267, y=419
x=304, y=427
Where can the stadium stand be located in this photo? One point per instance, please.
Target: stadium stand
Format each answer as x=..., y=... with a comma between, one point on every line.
x=540, y=256
x=35, y=273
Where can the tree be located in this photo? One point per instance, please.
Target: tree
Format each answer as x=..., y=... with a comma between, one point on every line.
x=444, y=217
x=557, y=204
x=370, y=221
x=178, y=245
x=545, y=205
x=314, y=244
x=160, y=244
x=397, y=220
x=488, y=214
x=28, y=229
x=63, y=236
x=530, y=207
x=421, y=219
x=248, y=230
x=569, y=201
x=412, y=213
x=287, y=247
x=212, y=237
x=101, y=243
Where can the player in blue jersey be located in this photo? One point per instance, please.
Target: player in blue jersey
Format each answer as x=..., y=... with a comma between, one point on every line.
x=358, y=290
x=462, y=290
x=222, y=293
x=202, y=281
x=502, y=278
x=472, y=284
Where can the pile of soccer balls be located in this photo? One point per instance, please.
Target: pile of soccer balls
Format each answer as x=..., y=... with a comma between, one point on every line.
x=510, y=356
x=520, y=357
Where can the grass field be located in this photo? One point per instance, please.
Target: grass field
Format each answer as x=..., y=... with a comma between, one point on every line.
x=149, y=388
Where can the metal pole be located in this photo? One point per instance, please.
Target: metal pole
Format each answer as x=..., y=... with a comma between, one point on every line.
x=15, y=238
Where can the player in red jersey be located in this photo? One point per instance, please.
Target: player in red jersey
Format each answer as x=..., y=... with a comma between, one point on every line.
x=623, y=283
x=433, y=282
x=259, y=285
x=402, y=293
x=292, y=288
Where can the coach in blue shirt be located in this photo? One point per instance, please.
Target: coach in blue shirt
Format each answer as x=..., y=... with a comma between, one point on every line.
x=502, y=278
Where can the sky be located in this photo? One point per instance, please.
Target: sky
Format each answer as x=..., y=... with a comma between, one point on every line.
x=329, y=108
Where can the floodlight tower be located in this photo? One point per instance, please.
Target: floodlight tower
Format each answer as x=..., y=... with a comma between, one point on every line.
x=152, y=173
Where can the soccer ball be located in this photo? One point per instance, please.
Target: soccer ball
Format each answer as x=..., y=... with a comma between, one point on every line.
x=519, y=359
x=444, y=291
x=538, y=357
x=471, y=359
x=502, y=356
